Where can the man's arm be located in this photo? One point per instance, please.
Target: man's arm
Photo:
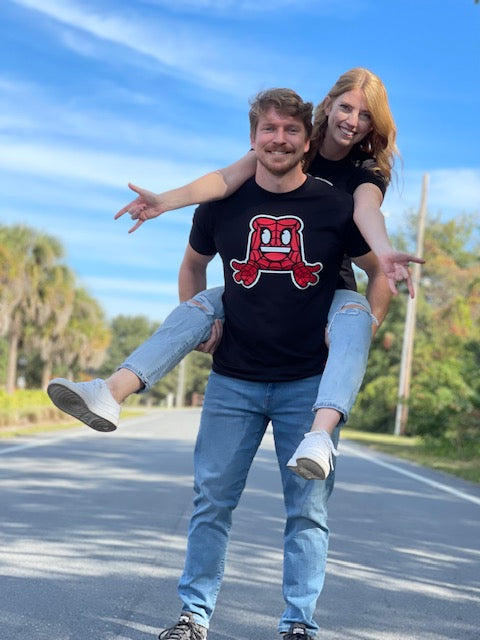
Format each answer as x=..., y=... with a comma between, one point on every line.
x=378, y=290
x=192, y=277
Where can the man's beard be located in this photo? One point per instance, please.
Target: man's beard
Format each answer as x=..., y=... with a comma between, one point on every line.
x=281, y=170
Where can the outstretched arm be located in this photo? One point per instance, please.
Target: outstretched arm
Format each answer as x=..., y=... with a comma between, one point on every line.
x=212, y=186
x=371, y=222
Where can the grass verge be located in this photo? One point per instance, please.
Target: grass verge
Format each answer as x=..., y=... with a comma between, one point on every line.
x=46, y=427
x=415, y=450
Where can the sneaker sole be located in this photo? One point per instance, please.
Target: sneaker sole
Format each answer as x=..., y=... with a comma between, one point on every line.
x=309, y=469
x=71, y=403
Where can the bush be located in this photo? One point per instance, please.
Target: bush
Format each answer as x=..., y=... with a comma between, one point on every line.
x=27, y=406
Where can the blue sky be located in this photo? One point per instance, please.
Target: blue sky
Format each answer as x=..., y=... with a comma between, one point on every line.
x=96, y=93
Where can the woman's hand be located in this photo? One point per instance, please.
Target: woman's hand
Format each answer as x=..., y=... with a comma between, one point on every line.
x=394, y=265
x=146, y=206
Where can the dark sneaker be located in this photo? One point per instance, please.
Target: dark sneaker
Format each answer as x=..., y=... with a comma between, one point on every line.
x=186, y=629
x=297, y=631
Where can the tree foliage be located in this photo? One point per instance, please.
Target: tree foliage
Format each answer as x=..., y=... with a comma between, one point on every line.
x=39, y=305
x=445, y=385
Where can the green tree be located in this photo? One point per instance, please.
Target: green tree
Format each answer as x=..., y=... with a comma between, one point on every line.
x=127, y=333
x=445, y=388
x=198, y=369
x=55, y=296
x=82, y=343
x=43, y=316
x=11, y=280
x=37, y=254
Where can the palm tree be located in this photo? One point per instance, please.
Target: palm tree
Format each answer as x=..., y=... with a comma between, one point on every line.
x=41, y=308
x=84, y=340
x=11, y=280
x=35, y=255
x=53, y=309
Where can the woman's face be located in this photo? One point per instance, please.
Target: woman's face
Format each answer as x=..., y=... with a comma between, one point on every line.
x=349, y=120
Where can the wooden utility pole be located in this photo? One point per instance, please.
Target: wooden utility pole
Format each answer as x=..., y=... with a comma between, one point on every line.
x=401, y=417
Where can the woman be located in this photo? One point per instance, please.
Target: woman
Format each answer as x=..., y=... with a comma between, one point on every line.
x=353, y=147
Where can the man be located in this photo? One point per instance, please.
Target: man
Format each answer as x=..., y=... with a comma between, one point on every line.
x=281, y=237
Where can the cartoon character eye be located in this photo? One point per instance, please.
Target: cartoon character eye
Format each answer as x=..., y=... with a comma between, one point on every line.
x=266, y=236
x=286, y=236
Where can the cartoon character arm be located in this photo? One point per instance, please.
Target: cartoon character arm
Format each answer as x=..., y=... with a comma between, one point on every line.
x=245, y=272
x=306, y=274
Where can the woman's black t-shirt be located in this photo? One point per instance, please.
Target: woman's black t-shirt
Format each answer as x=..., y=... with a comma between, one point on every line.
x=347, y=174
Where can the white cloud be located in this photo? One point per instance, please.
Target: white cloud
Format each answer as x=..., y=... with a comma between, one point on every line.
x=155, y=309
x=30, y=112
x=450, y=192
x=185, y=51
x=234, y=8
x=458, y=188
x=138, y=286
x=93, y=166
x=132, y=296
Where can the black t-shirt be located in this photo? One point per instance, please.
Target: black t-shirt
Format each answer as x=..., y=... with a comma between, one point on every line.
x=347, y=174
x=281, y=255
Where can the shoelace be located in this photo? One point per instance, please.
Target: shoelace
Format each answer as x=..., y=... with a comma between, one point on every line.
x=325, y=438
x=332, y=451
x=185, y=629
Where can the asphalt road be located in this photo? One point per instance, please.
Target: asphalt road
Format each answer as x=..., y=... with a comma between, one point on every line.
x=92, y=537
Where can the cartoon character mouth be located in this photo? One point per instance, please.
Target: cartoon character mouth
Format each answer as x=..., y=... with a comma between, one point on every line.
x=275, y=249
x=275, y=254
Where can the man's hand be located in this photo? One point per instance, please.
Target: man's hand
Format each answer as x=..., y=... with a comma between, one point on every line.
x=210, y=345
x=148, y=205
x=395, y=266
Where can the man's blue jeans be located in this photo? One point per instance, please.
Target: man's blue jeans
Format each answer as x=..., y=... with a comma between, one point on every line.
x=349, y=329
x=234, y=418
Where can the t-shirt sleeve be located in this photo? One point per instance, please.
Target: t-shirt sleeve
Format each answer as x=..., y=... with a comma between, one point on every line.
x=201, y=234
x=365, y=172
x=355, y=242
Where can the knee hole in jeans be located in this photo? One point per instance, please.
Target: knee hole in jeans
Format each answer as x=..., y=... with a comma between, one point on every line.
x=195, y=303
x=353, y=305
x=350, y=308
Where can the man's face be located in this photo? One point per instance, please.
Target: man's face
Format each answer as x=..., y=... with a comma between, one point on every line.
x=280, y=142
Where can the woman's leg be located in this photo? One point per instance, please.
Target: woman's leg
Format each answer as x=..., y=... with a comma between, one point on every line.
x=97, y=402
x=349, y=332
x=184, y=328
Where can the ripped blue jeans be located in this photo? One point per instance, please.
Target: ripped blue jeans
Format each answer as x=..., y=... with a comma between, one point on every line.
x=349, y=330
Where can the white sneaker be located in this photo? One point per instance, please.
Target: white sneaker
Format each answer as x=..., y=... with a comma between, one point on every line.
x=91, y=402
x=313, y=458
